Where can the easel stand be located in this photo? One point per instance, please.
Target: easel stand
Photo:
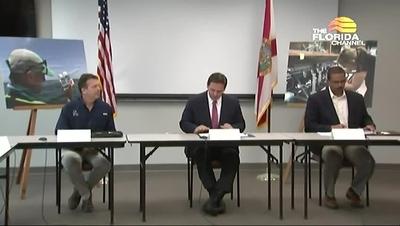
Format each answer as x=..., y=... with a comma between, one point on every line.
x=23, y=173
x=289, y=163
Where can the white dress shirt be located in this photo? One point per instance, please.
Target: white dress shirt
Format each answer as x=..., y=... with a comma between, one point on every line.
x=341, y=107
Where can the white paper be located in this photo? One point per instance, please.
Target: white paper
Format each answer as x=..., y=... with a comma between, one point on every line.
x=348, y=134
x=327, y=134
x=224, y=134
x=73, y=135
x=4, y=145
x=204, y=135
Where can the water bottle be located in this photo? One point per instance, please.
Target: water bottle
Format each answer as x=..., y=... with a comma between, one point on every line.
x=65, y=80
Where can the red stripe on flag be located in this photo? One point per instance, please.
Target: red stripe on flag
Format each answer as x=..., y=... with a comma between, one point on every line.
x=266, y=75
x=104, y=54
x=267, y=19
x=274, y=50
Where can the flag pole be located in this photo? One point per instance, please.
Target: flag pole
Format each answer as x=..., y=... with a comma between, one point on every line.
x=267, y=67
x=267, y=174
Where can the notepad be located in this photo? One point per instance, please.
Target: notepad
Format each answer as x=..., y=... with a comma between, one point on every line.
x=73, y=135
x=224, y=134
x=348, y=134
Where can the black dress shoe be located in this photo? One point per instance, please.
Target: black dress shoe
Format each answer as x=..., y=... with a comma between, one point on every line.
x=221, y=207
x=217, y=201
x=210, y=208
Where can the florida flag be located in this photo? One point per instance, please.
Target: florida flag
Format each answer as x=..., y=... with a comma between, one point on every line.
x=267, y=67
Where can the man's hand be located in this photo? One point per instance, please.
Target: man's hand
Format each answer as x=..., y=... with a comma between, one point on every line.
x=226, y=126
x=201, y=129
x=338, y=126
x=370, y=128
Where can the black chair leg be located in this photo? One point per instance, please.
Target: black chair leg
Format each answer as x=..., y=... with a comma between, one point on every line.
x=188, y=177
x=309, y=175
x=238, y=188
x=58, y=180
x=367, y=193
x=104, y=189
x=191, y=183
x=320, y=181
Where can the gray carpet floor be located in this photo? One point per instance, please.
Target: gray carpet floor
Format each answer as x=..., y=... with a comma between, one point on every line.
x=167, y=202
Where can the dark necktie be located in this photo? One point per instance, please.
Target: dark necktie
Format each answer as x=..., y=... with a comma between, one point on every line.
x=214, y=116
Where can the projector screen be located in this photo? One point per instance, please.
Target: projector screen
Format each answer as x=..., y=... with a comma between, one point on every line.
x=172, y=46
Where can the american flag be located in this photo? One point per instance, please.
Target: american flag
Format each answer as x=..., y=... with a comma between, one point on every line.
x=267, y=67
x=104, y=53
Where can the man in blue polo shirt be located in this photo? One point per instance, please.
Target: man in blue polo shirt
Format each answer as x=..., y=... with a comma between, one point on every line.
x=86, y=112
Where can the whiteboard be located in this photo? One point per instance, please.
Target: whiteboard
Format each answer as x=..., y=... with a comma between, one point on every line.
x=172, y=46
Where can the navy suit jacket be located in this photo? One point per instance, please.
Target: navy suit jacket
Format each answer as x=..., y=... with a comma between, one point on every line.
x=197, y=113
x=321, y=114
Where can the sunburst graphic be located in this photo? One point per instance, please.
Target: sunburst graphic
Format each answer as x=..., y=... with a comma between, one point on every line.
x=343, y=25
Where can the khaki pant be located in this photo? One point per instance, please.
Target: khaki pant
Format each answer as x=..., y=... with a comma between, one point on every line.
x=72, y=163
x=359, y=156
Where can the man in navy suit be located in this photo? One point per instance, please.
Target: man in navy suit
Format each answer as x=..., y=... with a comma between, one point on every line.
x=336, y=108
x=214, y=109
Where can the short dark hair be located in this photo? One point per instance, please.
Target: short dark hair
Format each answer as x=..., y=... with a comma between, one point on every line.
x=83, y=79
x=217, y=77
x=335, y=70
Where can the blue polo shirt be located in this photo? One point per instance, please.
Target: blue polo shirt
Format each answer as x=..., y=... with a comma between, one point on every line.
x=75, y=115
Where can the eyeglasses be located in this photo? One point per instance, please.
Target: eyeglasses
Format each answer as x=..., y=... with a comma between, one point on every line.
x=42, y=66
x=45, y=70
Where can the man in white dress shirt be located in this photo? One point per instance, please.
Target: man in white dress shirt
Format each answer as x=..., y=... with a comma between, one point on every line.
x=336, y=108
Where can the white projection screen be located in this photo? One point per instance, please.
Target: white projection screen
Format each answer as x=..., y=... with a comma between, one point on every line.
x=172, y=46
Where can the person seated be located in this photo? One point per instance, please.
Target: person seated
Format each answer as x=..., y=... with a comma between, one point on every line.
x=213, y=109
x=85, y=112
x=336, y=107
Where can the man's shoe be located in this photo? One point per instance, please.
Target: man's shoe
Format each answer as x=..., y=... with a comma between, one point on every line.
x=209, y=208
x=355, y=200
x=74, y=199
x=221, y=208
x=330, y=202
x=87, y=205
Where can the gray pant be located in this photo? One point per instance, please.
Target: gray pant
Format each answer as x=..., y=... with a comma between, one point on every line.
x=358, y=156
x=72, y=163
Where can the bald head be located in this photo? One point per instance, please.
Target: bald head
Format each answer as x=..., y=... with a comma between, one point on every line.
x=21, y=60
x=27, y=69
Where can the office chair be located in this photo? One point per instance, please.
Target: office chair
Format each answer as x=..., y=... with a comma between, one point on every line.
x=86, y=166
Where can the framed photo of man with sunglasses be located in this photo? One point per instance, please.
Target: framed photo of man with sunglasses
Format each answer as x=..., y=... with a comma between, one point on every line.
x=40, y=73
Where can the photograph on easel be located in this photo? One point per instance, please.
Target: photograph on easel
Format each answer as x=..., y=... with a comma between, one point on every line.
x=40, y=73
x=309, y=61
